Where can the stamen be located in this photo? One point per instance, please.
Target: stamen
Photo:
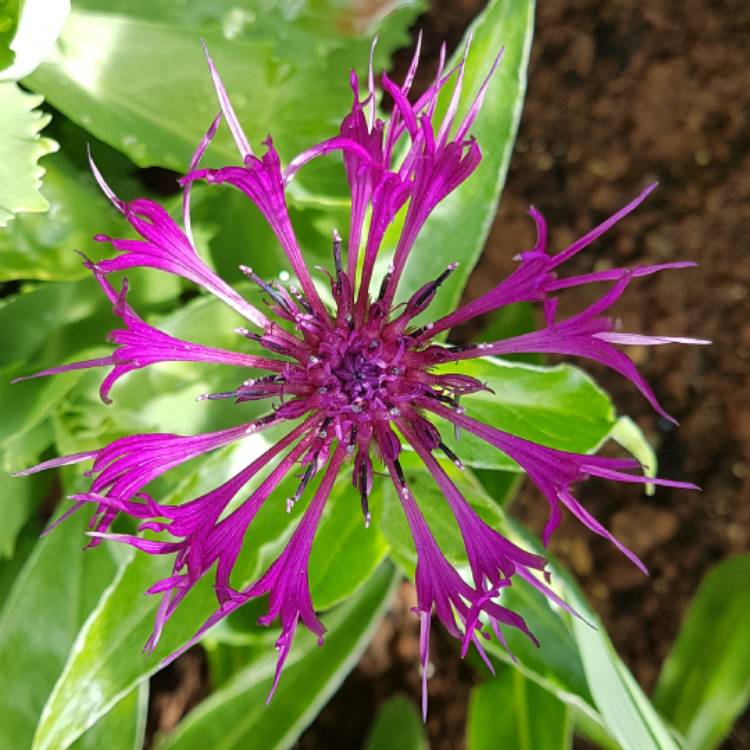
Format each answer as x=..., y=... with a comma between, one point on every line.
x=306, y=477
x=386, y=281
x=337, y=254
x=268, y=289
x=216, y=396
x=400, y=473
x=428, y=290
x=451, y=455
x=363, y=494
x=297, y=294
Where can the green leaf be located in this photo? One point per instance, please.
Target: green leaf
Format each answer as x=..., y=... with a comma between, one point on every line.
x=123, y=728
x=705, y=682
x=102, y=668
x=18, y=500
x=106, y=662
x=511, y=320
x=397, y=726
x=50, y=599
x=24, y=432
x=21, y=147
x=458, y=227
x=284, y=78
x=236, y=715
x=9, y=13
x=559, y=406
x=344, y=553
x=630, y=436
x=511, y=711
x=555, y=663
x=41, y=247
x=28, y=319
x=627, y=713
x=576, y=662
x=24, y=544
x=28, y=30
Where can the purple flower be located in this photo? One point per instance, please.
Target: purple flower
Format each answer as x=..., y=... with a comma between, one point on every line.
x=355, y=382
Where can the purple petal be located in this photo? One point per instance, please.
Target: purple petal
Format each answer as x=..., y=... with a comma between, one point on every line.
x=243, y=145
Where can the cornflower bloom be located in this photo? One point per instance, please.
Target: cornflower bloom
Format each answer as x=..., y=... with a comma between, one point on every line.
x=354, y=382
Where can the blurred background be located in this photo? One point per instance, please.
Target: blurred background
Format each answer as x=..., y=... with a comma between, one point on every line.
x=621, y=94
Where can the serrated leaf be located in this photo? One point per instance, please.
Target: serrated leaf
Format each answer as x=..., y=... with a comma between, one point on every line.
x=704, y=684
x=236, y=717
x=50, y=599
x=510, y=711
x=21, y=147
x=42, y=247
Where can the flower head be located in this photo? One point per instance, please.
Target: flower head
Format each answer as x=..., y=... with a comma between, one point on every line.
x=353, y=383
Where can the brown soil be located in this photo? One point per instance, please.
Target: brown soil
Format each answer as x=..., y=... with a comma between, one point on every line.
x=620, y=94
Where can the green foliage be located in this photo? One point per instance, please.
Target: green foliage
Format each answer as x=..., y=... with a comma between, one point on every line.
x=21, y=147
x=236, y=714
x=42, y=246
x=397, y=726
x=111, y=77
x=72, y=625
x=9, y=13
x=558, y=406
x=510, y=711
x=705, y=682
x=458, y=227
x=52, y=596
x=123, y=728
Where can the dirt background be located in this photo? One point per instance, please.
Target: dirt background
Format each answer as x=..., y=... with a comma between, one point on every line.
x=620, y=93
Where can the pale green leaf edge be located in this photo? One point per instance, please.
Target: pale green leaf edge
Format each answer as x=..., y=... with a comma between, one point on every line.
x=27, y=198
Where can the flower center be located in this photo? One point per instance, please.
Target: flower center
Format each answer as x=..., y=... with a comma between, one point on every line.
x=358, y=378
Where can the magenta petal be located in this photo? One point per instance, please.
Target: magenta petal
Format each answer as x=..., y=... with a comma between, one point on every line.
x=345, y=380
x=554, y=471
x=238, y=134
x=166, y=247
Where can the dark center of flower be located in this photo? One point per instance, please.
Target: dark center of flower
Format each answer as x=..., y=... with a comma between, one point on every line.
x=358, y=377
